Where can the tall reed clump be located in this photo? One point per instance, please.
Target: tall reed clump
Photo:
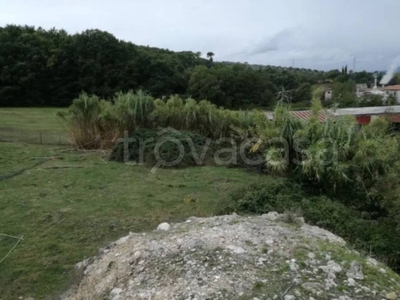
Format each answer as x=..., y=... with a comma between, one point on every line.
x=335, y=156
x=203, y=117
x=95, y=123
x=90, y=122
x=133, y=110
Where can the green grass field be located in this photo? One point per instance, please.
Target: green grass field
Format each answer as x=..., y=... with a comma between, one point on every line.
x=32, y=125
x=66, y=215
x=44, y=119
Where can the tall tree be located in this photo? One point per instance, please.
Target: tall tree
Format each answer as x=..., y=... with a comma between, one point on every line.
x=210, y=55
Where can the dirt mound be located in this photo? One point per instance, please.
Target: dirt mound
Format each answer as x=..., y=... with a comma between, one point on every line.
x=231, y=257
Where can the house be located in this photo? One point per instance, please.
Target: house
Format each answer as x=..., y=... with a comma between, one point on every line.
x=326, y=88
x=393, y=90
x=328, y=94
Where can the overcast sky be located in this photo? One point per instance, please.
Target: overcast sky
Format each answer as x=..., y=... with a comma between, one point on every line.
x=320, y=34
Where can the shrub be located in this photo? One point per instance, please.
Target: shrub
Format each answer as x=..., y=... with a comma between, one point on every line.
x=276, y=194
x=143, y=144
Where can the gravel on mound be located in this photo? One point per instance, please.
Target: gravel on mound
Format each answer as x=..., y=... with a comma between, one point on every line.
x=231, y=257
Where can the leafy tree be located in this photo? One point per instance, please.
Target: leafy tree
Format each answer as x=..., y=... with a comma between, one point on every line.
x=210, y=55
x=302, y=93
x=344, y=94
x=234, y=86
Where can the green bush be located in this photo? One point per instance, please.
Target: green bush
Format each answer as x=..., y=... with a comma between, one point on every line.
x=143, y=144
x=276, y=194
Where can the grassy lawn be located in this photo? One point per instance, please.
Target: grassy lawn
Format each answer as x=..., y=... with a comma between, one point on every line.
x=33, y=125
x=66, y=215
x=32, y=118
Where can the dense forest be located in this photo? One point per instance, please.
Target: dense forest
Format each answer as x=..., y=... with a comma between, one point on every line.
x=51, y=67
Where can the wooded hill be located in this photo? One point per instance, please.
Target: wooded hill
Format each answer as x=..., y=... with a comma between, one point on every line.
x=52, y=67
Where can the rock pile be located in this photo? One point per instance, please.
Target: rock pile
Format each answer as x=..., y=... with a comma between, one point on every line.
x=231, y=257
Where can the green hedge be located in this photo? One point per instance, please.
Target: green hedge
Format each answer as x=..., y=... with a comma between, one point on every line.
x=166, y=141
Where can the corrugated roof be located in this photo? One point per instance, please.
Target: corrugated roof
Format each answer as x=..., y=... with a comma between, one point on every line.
x=305, y=115
x=375, y=110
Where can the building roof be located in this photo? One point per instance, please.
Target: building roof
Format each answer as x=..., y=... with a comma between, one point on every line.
x=374, y=110
x=305, y=115
x=392, y=88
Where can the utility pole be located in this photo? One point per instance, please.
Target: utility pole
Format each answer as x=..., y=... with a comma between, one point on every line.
x=354, y=65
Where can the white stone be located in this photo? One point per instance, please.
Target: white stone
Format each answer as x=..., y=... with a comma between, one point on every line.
x=331, y=267
x=289, y=297
x=312, y=286
x=297, y=280
x=163, y=227
x=355, y=271
x=122, y=240
x=334, y=267
x=391, y=296
x=115, y=292
x=293, y=266
x=371, y=261
x=366, y=289
x=261, y=260
x=271, y=216
x=351, y=282
x=269, y=242
x=236, y=249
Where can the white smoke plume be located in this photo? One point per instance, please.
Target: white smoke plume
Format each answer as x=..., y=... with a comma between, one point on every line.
x=392, y=69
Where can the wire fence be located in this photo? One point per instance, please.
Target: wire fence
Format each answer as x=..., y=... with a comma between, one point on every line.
x=44, y=137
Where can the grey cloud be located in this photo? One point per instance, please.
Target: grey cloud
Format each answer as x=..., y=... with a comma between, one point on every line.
x=272, y=43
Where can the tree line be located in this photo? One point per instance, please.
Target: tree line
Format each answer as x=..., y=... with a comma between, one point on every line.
x=41, y=67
